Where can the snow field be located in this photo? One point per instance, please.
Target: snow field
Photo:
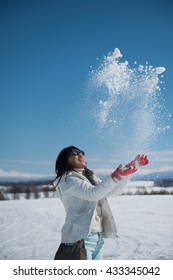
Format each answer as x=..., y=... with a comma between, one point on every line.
x=31, y=229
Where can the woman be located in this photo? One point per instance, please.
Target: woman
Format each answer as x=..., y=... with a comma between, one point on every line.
x=83, y=195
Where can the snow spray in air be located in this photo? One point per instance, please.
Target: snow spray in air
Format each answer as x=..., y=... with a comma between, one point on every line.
x=126, y=103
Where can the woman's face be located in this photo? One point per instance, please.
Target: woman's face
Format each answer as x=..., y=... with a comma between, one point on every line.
x=77, y=159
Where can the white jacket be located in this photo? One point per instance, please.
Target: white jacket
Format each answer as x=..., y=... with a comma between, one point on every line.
x=80, y=199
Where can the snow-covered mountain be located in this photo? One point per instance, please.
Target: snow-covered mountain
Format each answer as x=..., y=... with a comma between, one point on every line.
x=156, y=176
x=14, y=176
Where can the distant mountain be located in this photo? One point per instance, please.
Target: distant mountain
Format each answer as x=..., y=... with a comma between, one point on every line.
x=17, y=179
x=16, y=176
x=21, y=179
x=156, y=176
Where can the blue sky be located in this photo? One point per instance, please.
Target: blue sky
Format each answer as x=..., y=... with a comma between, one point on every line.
x=47, y=49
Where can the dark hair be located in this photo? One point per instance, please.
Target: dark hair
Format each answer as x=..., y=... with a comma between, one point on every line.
x=62, y=166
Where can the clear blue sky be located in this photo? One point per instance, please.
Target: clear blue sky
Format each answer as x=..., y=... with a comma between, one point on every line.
x=46, y=50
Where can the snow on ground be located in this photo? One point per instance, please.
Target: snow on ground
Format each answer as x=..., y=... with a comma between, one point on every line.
x=30, y=229
x=147, y=187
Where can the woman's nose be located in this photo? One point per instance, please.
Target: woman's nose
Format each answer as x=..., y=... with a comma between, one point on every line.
x=81, y=155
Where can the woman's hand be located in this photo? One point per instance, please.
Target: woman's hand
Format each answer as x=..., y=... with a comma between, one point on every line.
x=123, y=171
x=140, y=160
x=130, y=168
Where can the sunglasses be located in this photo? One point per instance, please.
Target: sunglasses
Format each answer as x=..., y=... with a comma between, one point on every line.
x=77, y=153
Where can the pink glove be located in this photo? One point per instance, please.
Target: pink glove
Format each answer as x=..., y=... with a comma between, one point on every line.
x=123, y=171
x=140, y=160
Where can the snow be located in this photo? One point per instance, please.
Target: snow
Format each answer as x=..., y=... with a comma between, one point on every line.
x=126, y=104
x=145, y=187
x=30, y=229
x=160, y=70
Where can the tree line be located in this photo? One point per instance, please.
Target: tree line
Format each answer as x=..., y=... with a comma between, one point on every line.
x=44, y=189
x=27, y=190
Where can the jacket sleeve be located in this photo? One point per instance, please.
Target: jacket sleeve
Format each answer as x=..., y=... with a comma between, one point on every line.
x=121, y=184
x=85, y=190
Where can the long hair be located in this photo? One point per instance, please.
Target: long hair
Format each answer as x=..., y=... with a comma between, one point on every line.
x=62, y=166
